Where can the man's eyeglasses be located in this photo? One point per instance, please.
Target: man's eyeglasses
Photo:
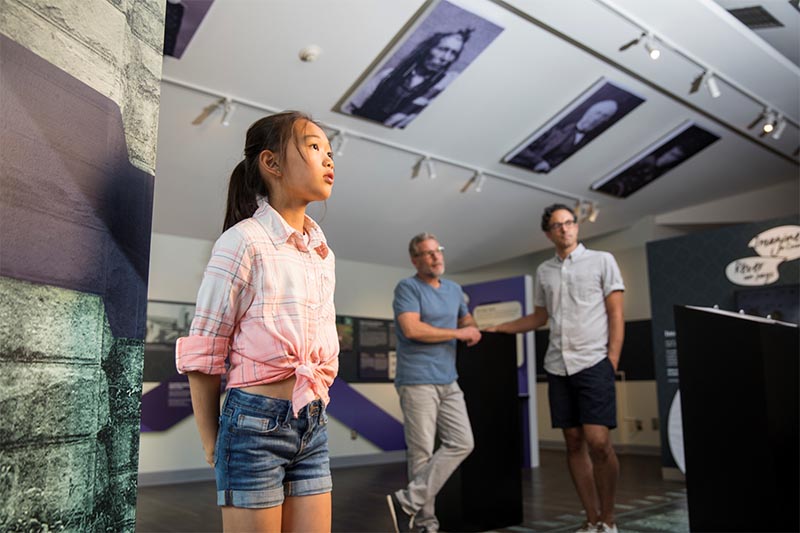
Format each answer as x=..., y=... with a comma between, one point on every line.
x=558, y=225
x=431, y=253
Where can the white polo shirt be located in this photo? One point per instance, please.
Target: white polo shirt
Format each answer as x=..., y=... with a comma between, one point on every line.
x=573, y=291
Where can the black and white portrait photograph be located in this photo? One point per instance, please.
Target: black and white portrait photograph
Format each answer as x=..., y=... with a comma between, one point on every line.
x=593, y=112
x=421, y=66
x=658, y=159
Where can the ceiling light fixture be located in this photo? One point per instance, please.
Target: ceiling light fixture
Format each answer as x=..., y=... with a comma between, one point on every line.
x=769, y=122
x=481, y=181
x=652, y=50
x=339, y=135
x=431, y=168
x=593, y=212
x=654, y=44
x=228, y=108
x=779, y=128
x=343, y=138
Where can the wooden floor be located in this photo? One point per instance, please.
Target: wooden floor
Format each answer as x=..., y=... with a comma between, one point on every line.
x=646, y=502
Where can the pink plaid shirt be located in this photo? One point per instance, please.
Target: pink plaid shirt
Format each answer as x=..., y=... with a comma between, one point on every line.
x=266, y=306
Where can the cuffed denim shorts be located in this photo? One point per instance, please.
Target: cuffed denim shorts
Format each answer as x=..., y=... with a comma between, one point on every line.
x=263, y=453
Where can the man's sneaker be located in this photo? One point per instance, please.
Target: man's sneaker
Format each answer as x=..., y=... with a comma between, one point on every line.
x=402, y=521
x=602, y=527
x=588, y=527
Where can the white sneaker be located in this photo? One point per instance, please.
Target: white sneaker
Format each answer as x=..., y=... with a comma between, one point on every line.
x=588, y=527
x=602, y=527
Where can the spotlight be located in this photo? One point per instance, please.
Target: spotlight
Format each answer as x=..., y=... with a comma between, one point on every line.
x=342, y=143
x=713, y=87
x=338, y=142
x=779, y=128
x=593, y=212
x=431, y=168
x=481, y=181
x=228, y=108
x=769, y=122
x=651, y=48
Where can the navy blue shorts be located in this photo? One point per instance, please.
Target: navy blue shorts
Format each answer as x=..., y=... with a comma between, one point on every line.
x=588, y=397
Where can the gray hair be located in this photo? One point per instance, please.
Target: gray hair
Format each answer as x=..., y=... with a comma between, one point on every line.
x=416, y=239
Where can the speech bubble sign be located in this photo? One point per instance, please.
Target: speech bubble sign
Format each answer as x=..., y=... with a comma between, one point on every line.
x=781, y=241
x=752, y=271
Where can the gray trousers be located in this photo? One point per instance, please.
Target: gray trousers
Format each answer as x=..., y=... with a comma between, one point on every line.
x=429, y=410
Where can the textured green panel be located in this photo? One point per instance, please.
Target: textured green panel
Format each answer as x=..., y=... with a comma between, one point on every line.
x=44, y=401
x=48, y=487
x=69, y=430
x=44, y=323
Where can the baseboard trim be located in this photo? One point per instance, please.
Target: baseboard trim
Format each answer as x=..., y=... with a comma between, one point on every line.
x=345, y=461
x=621, y=449
x=173, y=477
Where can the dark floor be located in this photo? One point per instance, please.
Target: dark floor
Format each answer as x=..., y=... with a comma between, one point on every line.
x=646, y=502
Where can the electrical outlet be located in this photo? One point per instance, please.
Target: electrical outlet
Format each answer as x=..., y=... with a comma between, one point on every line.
x=638, y=425
x=654, y=422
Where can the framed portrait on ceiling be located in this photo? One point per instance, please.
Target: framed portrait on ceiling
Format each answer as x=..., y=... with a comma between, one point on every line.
x=656, y=160
x=590, y=114
x=446, y=37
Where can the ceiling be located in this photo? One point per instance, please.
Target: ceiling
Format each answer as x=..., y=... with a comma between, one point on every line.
x=547, y=55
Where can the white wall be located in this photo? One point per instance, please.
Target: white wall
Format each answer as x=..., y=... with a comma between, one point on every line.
x=365, y=290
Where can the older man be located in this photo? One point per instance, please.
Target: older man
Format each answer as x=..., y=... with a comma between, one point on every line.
x=580, y=291
x=430, y=317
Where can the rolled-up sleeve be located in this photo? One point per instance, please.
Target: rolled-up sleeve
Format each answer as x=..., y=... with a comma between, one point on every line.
x=225, y=294
x=612, y=278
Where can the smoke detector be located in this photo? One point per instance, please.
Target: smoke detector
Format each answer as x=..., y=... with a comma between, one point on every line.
x=310, y=53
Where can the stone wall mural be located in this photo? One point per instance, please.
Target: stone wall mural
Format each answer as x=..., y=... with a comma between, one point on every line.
x=78, y=122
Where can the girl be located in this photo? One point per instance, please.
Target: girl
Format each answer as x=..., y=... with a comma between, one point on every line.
x=265, y=316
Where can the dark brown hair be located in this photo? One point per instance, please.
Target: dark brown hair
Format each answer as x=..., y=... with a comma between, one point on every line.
x=548, y=212
x=273, y=133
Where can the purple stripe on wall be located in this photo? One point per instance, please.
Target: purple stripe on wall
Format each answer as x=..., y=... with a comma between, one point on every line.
x=357, y=412
x=75, y=213
x=167, y=404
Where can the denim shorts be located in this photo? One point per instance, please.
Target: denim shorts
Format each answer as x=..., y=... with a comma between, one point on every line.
x=588, y=397
x=263, y=453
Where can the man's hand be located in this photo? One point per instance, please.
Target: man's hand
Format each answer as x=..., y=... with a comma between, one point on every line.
x=470, y=335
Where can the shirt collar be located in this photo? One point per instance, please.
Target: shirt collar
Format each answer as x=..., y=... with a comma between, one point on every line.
x=280, y=232
x=576, y=253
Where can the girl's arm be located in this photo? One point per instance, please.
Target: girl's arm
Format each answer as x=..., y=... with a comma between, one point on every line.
x=205, y=404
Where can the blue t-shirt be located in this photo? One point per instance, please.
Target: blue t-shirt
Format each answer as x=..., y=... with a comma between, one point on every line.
x=420, y=363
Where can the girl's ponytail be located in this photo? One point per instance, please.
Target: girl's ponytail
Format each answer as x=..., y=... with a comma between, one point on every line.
x=243, y=191
x=246, y=185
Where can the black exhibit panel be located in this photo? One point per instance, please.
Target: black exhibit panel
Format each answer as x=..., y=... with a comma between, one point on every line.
x=740, y=408
x=485, y=492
